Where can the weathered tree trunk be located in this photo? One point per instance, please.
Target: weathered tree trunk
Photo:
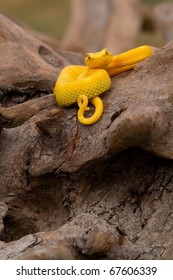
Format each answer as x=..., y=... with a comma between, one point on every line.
x=94, y=25
x=164, y=20
x=69, y=191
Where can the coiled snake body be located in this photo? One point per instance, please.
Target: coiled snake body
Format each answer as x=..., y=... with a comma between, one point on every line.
x=82, y=83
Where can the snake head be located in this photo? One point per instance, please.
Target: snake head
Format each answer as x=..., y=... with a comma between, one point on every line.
x=99, y=59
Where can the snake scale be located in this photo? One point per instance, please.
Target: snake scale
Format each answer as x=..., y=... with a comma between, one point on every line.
x=83, y=84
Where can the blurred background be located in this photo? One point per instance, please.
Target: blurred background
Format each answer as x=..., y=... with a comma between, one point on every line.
x=47, y=16
x=83, y=25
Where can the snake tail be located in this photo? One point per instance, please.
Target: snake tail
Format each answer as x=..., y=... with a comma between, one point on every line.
x=83, y=103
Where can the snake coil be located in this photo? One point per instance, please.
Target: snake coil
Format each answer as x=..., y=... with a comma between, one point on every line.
x=83, y=84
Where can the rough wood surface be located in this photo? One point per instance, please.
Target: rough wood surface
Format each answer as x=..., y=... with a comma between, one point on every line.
x=69, y=191
x=29, y=67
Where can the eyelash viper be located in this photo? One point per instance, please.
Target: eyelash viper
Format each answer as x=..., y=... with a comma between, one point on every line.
x=84, y=83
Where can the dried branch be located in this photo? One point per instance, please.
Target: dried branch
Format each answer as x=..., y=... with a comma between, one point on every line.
x=17, y=115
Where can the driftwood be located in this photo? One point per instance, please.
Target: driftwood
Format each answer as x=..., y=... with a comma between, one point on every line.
x=69, y=191
x=99, y=23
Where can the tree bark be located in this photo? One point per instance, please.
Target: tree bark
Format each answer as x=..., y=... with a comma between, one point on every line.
x=70, y=191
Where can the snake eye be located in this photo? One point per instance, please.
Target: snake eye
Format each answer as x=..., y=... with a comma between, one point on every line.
x=89, y=57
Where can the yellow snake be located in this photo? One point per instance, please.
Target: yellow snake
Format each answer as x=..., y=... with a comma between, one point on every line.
x=82, y=83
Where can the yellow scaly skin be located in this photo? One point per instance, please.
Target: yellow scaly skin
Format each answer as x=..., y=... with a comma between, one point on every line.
x=82, y=83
